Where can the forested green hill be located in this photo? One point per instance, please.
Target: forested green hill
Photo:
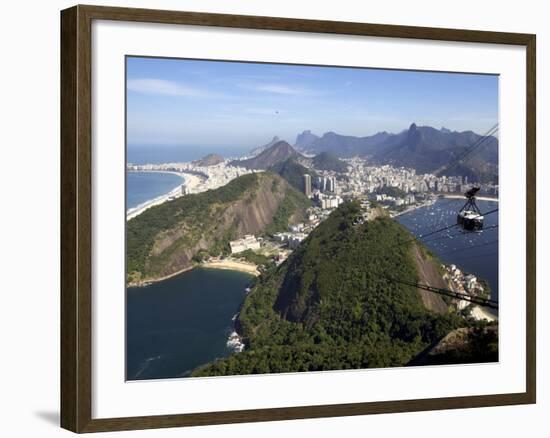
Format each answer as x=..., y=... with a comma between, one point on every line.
x=332, y=306
x=169, y=237
x=293, y=172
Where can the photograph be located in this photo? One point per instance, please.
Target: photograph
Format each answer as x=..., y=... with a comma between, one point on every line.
x=288, y=218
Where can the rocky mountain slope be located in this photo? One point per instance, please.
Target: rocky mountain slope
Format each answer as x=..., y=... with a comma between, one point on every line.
x=293, y=172
x=328, y=161
x=260, y=149
x=209, y=160
x=168, y=238
x=276, y=153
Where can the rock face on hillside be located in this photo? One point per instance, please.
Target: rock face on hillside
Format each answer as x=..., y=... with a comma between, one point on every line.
x=260, y=149
x=428, y=273
x=277, y=153
x=464, y=345
x=329, y=161
x=209, y=160
x=166, y=239
x=293, y=172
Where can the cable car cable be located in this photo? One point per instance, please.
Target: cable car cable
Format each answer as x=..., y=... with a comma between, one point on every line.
x=486, y=302
x=448, y=227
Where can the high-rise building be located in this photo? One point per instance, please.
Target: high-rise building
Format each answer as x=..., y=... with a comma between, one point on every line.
x=307, y=185
x=324, y=184
x=319, y=183
x=331, y=184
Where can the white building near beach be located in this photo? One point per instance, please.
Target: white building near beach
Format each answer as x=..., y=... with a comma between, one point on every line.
x=249, y=241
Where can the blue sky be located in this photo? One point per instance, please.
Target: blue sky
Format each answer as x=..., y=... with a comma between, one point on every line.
x=186, y=102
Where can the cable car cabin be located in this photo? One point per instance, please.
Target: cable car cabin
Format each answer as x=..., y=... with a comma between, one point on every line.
x=470, y=217
x=470, y=220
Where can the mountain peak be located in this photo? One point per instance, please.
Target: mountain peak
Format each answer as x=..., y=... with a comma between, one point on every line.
x=275, y=153
x=305, y=139
x=281, y=144
x=413, y=127
x=260, y=149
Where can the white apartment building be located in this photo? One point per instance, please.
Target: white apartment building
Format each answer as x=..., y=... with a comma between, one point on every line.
x=249, y=241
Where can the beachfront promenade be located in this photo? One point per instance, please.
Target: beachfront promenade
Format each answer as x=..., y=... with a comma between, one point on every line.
x=197, y=179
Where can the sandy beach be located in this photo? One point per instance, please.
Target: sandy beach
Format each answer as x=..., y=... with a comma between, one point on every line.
x=232, y=265
x=191, y=182
x=480, y=313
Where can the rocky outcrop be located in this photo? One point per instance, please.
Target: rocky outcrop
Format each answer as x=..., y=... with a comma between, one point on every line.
x=207, y=222
x=209, y=160
x=428, y=273
x=260, y=149
x=463, y=345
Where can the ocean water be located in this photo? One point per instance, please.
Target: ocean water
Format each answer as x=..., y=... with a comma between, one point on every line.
x=155, y=154
x=144, y=186
x=178, y=324
x=473, y=252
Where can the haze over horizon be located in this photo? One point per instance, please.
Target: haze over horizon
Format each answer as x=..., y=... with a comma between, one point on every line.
x=188, y=102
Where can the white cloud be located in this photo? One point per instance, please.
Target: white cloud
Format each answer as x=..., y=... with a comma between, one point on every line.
x=164, y=87
x=274, y=88
x=279, y=89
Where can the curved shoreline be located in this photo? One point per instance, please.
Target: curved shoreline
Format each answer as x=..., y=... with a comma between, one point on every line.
x=190, y=180
x=229, y=265
x=232, y=265
x=140, y=208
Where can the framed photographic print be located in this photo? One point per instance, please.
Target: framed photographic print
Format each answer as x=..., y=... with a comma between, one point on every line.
x=269, y=218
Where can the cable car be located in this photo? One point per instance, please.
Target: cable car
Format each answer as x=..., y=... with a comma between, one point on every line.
x=470, y=217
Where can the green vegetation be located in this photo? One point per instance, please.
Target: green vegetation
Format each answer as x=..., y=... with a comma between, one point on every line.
x=477, y=344
x=329, y=161
x=286, y=210
x=179, y=233
x=331, y=305
x=257, y=259
x=293, y=172
x=195, y=211
x=486, y=288
x=396, y=192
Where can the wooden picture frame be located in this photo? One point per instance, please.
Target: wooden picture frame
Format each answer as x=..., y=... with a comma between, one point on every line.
x=76, y=217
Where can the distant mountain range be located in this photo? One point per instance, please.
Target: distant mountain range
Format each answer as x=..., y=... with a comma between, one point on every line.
x=426, y=149
x=281, y=152
x=272, y=155
x=423, y=148
x=340, y=145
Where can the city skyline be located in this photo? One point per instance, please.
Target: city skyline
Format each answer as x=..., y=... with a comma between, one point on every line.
x=184, y=102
